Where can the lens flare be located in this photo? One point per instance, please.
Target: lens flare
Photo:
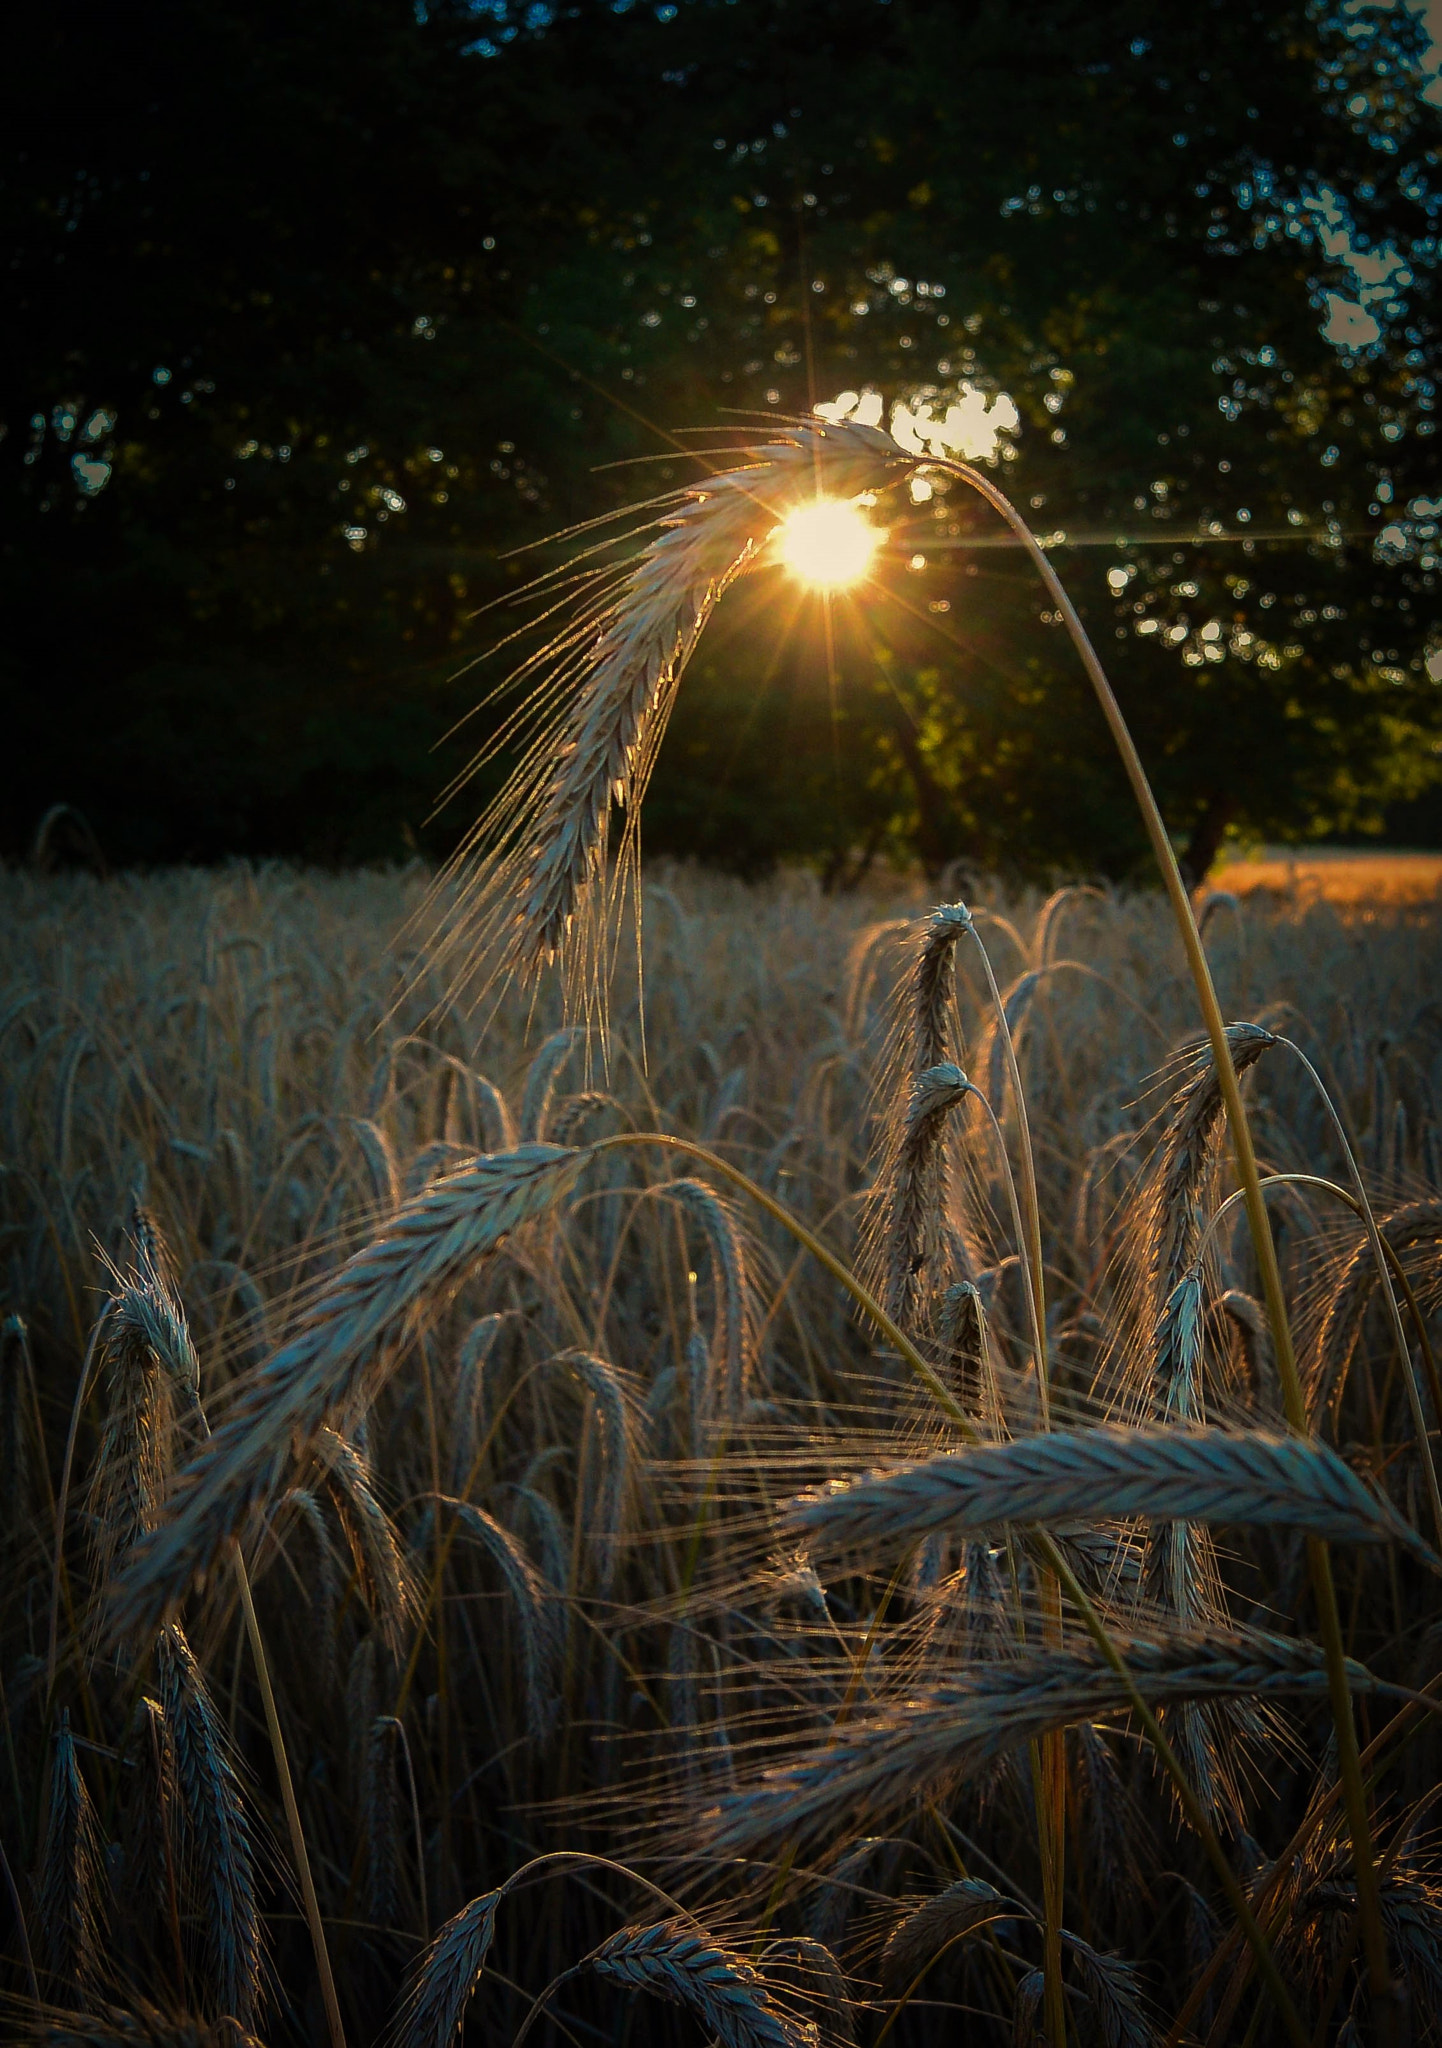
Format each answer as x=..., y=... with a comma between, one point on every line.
x=828, y=543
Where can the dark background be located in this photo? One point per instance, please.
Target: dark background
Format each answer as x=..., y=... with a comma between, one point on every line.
x=313, y=312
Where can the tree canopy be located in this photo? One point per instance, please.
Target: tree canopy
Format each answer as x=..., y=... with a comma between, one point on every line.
x=316, y=315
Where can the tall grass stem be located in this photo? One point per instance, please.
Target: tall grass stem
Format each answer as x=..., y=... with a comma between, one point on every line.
x=1248, y=1173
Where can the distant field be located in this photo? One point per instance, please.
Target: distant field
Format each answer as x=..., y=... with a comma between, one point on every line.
x=1343, y=876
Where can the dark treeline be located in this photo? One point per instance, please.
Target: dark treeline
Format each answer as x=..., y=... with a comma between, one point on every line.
x=316, y=312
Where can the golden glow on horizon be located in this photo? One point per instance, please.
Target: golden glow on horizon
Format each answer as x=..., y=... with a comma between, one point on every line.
x=829, y=543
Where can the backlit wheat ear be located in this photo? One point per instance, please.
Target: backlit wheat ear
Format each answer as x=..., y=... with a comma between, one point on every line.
x=1188, y=1150
x=818, y=1976
x=70, y=1895
x=444, y=1979
x=380, y=1567
x=948, y=1916
x=904, y=1225
x=614, y=1409
x=219, y=1852
x=885, y=1758
x=907, y=1208
x=535, y=872
x=1114, y=1989
x=339, y=1358
x=717, y=1986
x=541, y=1078
x=731, y=1294
x=1413, y=1225
x=1180, y=1571
x=532, y=1600
x=1173, y=1475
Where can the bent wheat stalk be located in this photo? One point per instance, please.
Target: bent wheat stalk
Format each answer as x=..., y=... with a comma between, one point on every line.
x=678, y=1961
x=1249, y=1175
x=1169, y=1475
x=338, y=1358
x=533, y=875
x=940, y=1734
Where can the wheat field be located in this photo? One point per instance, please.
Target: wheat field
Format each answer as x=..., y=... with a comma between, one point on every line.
x=668, y=1630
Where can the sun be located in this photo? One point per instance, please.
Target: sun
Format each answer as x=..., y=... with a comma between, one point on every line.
x=828, y=543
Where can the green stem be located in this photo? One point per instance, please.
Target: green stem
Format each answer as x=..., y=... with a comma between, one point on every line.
x=1324, y=1590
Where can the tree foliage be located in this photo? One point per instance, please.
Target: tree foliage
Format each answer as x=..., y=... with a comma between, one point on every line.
x=316, y=314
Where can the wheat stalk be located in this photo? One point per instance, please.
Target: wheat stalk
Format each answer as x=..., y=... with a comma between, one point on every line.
x=891, y=1754
x=1174, y=1475
x=69, y=1892
x=338, y=1359
x=680, y=1962
x=602, y=688
x=216, y=1827
x=947, y=1916
x=445, y=1977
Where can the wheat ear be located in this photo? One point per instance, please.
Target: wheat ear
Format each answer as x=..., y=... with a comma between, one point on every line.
x=903, y=1222
x=936, y=1735
x=338, y=1359
x=730, y=1286
x=970, y=1903
x=1188, y=1151
x=380, y=1567
x=601, y=691
x=69, y=1893
x=1172, y=1475
x=445, y=1977
x=216, y=1827
x=720, y=1988
x=532, y=1600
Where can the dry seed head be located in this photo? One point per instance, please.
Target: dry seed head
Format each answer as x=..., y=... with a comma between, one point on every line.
x=1086, y=1475
x=534, y=876
x=445, y=1977
x=731, y=1289
x=339, y=1357
x=947, y=1916
x=1414, y=1225
x=723, y=1991
x=220, y=1856
x=1188, y=1152
x=70, y=1896
x=139, y=2025
x=891, y=1754
x=533, y=1603
x=380, y=1567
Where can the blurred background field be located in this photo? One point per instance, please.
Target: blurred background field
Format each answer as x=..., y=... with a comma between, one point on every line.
x=1338, y=875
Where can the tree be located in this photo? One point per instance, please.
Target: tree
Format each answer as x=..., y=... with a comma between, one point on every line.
x=534, y=242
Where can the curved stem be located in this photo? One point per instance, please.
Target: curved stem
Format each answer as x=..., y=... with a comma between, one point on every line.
x=1248, y=1173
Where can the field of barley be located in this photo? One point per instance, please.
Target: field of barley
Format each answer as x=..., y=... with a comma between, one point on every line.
x=619, y=1539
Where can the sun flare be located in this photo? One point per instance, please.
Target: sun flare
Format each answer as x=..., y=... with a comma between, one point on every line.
x=829, y=543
